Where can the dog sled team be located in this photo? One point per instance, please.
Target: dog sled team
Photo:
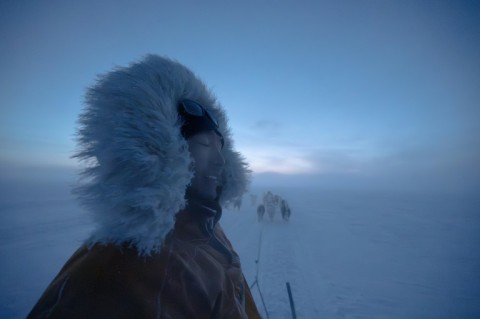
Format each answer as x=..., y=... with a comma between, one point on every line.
x=270, y=204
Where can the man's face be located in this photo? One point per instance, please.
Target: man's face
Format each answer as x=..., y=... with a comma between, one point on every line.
x=205, y=148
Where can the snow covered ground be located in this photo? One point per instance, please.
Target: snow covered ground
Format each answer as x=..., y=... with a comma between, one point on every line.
x=364, y=255
x=346, y=254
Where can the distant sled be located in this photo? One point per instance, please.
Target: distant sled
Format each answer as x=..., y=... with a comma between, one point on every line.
x=270, y=204
x=269, y=201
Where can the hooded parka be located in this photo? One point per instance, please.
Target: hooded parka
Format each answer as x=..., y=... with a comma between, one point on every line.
x=155, y=252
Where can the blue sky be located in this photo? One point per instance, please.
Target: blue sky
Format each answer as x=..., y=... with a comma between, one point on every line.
x=318, y=92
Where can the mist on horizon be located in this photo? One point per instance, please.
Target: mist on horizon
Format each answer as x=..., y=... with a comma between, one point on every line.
x=17, y=181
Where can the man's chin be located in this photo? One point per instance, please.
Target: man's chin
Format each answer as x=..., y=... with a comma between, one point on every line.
x=207, y=196
x=203, y=194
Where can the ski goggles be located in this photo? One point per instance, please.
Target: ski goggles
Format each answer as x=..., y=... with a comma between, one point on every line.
x=192, y=108
x=196, y=119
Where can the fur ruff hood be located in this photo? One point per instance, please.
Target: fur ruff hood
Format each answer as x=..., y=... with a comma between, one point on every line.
x=138, y=165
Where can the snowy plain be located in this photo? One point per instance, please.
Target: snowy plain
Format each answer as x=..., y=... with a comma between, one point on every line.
x=345, y=253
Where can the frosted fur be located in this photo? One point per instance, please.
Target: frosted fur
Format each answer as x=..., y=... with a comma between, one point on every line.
x=138, y=164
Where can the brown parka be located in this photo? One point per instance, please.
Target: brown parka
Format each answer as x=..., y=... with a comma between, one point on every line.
x=197, y=274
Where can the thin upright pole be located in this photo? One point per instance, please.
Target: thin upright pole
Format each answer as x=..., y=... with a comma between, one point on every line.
x=292, y=305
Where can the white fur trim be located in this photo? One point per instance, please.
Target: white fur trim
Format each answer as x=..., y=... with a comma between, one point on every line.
x=138, y=164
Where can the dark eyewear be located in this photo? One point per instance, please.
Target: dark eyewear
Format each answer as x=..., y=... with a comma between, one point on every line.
x=193, y=108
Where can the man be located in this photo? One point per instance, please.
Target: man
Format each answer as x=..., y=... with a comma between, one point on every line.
x=161, y=162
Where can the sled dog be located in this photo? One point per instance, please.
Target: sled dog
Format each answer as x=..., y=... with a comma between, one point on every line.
x=285, y=209
x=237, y=203
x=260, y=212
